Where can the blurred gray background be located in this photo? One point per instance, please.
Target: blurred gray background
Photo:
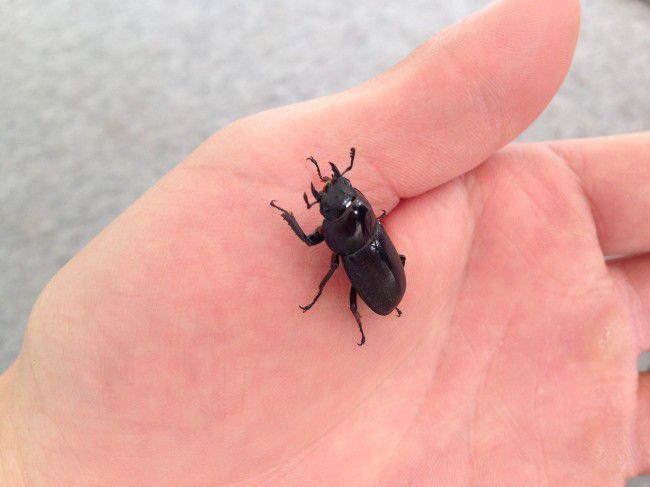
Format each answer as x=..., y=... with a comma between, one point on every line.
x=99, y=99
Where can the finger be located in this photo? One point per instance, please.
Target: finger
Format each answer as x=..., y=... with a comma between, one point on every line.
x=637, y=274
x=614, y=173
x=642, y=439
x=444, y=109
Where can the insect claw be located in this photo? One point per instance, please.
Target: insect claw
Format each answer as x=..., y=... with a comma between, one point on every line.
x=285, y=213
x=335, y=170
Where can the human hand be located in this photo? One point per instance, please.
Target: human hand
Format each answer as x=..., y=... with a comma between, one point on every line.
x=171, y=350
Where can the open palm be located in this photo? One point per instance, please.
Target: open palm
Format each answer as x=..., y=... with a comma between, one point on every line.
x=171, y=350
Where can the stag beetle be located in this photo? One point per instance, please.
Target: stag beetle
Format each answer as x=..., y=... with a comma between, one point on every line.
x=356, y=236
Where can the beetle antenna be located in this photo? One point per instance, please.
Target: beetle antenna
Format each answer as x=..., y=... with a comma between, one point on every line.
x=335, y=171
x=353, y=151
x=309, y=205
x=311, y=158
x=316, y=194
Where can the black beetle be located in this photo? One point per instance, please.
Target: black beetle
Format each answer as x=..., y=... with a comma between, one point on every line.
x=356, y=235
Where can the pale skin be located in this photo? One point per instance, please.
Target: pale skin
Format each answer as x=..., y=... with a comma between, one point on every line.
x=171, y=350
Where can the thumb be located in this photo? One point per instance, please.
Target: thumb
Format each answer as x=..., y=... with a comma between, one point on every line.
x=455, y=100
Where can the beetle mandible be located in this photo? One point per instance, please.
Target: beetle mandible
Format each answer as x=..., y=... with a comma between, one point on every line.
x=357, y=237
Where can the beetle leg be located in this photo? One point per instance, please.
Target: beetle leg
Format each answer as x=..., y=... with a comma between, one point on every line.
x=383, y=214
x=353, y=308
x=403, y=259
x=312, y=239
x=334, y=265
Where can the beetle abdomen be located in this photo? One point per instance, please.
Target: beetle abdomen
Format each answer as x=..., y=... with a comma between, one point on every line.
x=377, y=273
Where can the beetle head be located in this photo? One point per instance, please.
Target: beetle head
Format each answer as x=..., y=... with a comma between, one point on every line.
x=337, y=195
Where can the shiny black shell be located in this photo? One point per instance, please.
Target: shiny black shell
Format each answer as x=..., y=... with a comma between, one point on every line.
x=369, y=257
x=377, y=273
